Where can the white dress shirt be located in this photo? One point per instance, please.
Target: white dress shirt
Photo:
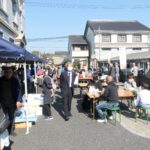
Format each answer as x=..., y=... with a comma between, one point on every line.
x=143, y=97
x=70, y=78
x=134, y=70
x=131, y=86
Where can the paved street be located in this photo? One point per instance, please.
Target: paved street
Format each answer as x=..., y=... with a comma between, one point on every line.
x=79, y=133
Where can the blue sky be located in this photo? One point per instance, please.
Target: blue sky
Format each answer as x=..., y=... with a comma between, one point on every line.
x=52, y=18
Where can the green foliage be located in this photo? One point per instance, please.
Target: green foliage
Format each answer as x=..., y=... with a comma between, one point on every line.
x=42, y=55
x=77, y=65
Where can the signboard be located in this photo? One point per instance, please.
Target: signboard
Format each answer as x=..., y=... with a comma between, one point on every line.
x=123, y=58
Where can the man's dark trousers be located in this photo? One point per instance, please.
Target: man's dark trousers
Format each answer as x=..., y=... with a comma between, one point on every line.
x=11, y=112
x=67, y=99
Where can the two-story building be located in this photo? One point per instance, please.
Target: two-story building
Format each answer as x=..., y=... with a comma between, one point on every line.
x=79, y=50
x=107, y=38
x=12, y=21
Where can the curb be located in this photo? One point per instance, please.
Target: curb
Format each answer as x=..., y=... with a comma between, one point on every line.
x=124, y=123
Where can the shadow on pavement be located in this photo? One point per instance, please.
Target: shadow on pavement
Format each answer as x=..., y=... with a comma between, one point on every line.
x=83, y=106
x=58, y=105
x=126, y=111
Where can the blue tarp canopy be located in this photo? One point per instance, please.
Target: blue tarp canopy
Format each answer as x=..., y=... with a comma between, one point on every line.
x=11, y=52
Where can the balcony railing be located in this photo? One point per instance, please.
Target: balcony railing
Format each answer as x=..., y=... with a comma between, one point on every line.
x=15, y=26
x=116, y=45
x=84, y=53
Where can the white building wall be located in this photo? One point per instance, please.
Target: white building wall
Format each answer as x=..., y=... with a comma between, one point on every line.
x=107, y=55
x=98, y=38
x=101, y=54
x=6, y=32
x=13, y=23
x=145, y=39
x=113, y=38
x=129, y=38
x=129, y=51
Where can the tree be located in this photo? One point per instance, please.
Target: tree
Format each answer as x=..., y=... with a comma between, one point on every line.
x=37, y=53
x=42, y=55
x=46, y=55
x=77, y=64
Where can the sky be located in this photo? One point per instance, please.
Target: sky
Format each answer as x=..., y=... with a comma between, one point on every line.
x=57, y=18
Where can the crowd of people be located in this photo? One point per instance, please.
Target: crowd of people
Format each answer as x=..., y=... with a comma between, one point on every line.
x=109, y=94
x=65, y=78
x=10, y=99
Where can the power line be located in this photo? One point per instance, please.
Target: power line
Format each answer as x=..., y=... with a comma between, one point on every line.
x=46, y=39
x=86, y=6
x=47, y=47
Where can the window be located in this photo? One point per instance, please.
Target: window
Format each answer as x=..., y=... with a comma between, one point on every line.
x=15, y=8
x=83, y=47
x=1, y=34
x=14, y=1
x=11, y=40
x=16, y=18
x=137, y=38
x=122, y=38
x=137, y=49
x=106, y=49
x=106, y=38
x=77, y=48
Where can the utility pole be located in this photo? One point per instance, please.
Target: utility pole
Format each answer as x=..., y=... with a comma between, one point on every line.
x=99, y=42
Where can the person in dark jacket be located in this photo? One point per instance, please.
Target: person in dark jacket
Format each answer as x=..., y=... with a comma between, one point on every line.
x=97, y=83
x=47, y=87
x=112, y=71
x=67, y=79
x=10, y=95
x=110, y=97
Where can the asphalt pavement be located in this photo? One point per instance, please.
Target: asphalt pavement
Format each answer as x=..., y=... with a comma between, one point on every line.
x=79, y=133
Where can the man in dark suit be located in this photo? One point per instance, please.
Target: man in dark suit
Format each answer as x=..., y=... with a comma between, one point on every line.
x=67, y=79
x=10, y=94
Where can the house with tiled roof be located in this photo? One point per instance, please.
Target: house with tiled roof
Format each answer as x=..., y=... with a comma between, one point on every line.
x=106, y=38
x=78, y=49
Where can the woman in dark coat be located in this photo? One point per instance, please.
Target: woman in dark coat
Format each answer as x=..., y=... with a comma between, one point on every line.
x=47, y=87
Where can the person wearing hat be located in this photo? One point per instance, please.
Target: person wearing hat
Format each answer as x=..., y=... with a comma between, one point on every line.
x=10, y=95
x=67, y=79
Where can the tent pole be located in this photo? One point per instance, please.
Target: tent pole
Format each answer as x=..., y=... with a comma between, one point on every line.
x=26, y=96
x=35, y=82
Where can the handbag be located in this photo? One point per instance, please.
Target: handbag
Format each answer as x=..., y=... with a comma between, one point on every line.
x=4, y=121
